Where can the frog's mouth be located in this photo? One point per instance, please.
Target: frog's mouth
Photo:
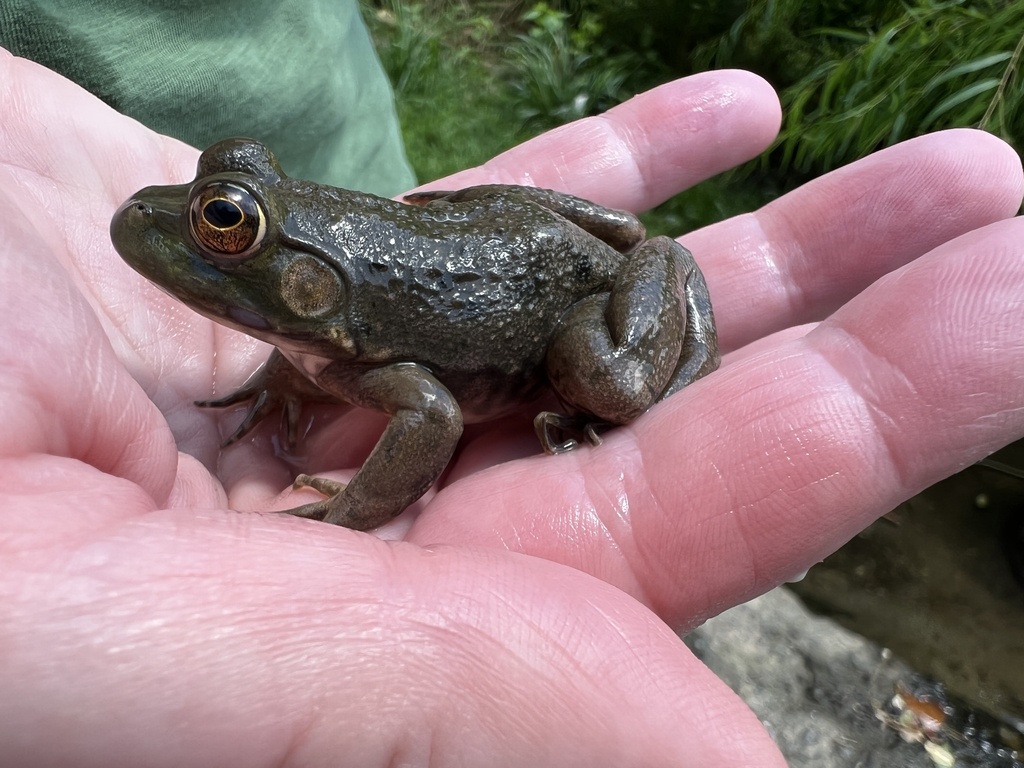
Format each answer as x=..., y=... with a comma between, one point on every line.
x=247, y=319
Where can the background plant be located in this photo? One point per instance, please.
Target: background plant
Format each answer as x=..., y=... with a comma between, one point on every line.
x=558, y=71
x=936, y=66
x=474, y=79
x=440, y=57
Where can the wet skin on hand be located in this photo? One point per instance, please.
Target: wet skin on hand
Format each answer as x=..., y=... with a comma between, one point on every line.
x=449, y=308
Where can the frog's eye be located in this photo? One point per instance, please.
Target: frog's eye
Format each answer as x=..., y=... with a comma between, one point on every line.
x=227, y=220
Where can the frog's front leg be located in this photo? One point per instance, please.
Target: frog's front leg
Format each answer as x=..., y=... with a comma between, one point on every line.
x=620, y=229
x=417, y=444
x=615, y=354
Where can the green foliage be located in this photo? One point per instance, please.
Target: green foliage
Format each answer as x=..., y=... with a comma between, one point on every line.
x=557, y=73
x=473, y=79
x=780, y=40
x=420, y=44
x=938, y=65
x=855, y=77
x=471, y=82
x=667, y=31
x=452, y=109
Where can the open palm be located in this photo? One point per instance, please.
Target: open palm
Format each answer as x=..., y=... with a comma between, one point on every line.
x=872, y=319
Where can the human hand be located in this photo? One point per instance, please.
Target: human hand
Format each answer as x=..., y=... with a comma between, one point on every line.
x=147, y=624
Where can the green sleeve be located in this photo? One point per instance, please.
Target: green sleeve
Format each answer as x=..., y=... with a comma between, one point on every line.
x=300, y=76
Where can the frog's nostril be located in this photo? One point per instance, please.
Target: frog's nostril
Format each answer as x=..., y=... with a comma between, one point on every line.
x=134, y=207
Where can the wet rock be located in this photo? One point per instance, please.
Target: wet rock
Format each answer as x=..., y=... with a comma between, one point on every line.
x=934, y=581
x=824, y=692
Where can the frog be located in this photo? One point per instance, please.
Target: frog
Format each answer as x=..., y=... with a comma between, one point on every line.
x=441, y=309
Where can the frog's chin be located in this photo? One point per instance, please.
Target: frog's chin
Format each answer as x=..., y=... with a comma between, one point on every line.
x=249, y=322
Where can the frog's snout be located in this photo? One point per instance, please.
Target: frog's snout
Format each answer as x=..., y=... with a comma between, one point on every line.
x=129, y=209
x=132, y=204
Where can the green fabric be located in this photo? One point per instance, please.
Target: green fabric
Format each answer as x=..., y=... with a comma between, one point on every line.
x=299, y=75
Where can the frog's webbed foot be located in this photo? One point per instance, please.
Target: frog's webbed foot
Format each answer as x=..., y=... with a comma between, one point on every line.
x=559, y=433
x=620, y=229
x=276, y=384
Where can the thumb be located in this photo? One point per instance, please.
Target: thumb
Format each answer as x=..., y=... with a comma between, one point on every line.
x=212, y=638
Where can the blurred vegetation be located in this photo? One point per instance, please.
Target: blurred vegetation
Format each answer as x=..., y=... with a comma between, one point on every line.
x=473, y=79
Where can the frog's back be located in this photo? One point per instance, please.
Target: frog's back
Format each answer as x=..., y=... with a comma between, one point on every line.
x=473, y=290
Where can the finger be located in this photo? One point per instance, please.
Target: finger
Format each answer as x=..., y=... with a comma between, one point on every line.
x=88, y=156
x=65, y=393
x=642, y=152
x=803, y=255
x=911, y=381
x=756, y=472
x=239, y=640
x=65, y=183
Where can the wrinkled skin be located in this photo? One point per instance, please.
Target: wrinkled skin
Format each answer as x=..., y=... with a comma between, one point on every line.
x=871, y=321
x=463, y=307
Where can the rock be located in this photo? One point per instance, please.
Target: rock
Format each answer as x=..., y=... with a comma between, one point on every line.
x=818, y=688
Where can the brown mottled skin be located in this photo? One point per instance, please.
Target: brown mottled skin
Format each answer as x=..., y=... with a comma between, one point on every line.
x=461, y=306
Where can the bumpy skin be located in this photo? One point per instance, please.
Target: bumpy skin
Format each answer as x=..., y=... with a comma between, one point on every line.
x=460, y=307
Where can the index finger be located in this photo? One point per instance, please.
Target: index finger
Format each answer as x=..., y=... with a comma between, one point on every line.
x=800, y=257
x=647, y=149
x=754, y=473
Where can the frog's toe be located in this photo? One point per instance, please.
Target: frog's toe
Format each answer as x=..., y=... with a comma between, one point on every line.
x=258, y=410
x=322, y=484
x=590, y=431
x=559, y=433
x=547, y=424
x=317, y=510
x=238, y=396
x=338, y=508
x=262, y=402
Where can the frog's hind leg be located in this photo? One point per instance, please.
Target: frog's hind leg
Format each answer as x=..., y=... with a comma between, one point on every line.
x=615, y=354
x=620, y=229
x=700, y=355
